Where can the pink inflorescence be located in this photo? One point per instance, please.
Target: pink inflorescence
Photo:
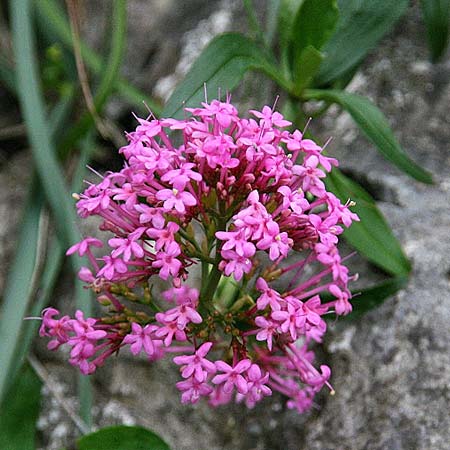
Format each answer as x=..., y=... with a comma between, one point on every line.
x=240, y=205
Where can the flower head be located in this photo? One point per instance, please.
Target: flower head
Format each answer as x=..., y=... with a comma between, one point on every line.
x=245, y=199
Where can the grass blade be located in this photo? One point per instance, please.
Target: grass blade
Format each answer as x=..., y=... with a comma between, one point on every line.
x=19, y=283
x=44, y=155
x=17, y=290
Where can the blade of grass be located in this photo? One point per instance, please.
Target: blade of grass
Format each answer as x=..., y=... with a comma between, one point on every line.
x=18, y=289
x=32, y=105
x=44, y=155
x=106, y=84
x=52, y=15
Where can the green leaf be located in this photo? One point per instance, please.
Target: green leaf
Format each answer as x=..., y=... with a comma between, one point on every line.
x=361, y=25
x=19, y=413
x=372, y=236
x=313, y=25
x=122, y=438
x=43, y=151
x=372, y=297
x=375, y=126
x=21, y=275
x=220, y=66
x=364, y=300
x=436, y=14
x=31, y=101
x=17, y=291
x=306, y=66
x=286, y=18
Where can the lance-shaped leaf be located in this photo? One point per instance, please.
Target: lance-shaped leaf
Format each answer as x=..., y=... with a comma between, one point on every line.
x=437, y=19
x=221, y=65
x=372, y=236
x=375, y=126
x=122, y=438
x=372, y=297
x=306, y=66
x=286, y=18
x=313, y=25
x=364, y=300
x=361, y=25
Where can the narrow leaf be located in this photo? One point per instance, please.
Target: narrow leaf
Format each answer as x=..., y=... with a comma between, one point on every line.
x=364, y=300
x=220, y=66
x=122, y=438
x=286, y=18
x=306, y=67
x=361, y=25
x=32, y=106
x=21, y=275
x=20, y=412
x=372, y=236
x=44, y=154
x=436, y=14
x=18, y=285
x=372, y=297
x=375, y=126
x=313, y=25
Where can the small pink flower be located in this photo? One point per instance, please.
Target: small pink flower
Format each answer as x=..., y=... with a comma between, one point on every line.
x=167, y=261
x=169, y=331
x=192, y=389
x=234, y=264
x=182, y=315
x=148, y=214
x=58, y=329
x=112, y=267
x=257, y=388
x=164, y=237
x=141, y=338
x=178, y=178
x=175, y=199
x=267, y=329
x=196, y=365
x=82, y=247
x=232, y=376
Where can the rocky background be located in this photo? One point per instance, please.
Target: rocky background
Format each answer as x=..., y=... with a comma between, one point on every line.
x=391, y=369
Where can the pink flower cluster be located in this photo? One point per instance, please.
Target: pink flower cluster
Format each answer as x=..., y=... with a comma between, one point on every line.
x=241, y=204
